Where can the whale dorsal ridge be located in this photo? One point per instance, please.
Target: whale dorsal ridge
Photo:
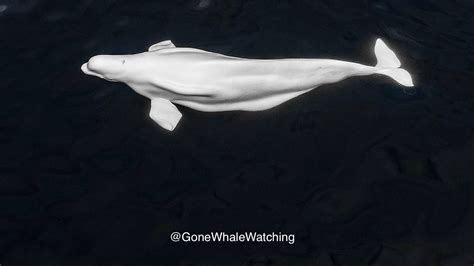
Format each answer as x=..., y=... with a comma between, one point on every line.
x=161, y=45
x=164, y=113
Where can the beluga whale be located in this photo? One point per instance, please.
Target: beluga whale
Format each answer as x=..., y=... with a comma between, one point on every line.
x=212, y=82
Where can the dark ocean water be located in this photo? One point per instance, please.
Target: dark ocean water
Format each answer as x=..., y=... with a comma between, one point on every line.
x=362, y=171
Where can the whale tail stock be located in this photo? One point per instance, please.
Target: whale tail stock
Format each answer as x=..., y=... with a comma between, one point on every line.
x=389, y=65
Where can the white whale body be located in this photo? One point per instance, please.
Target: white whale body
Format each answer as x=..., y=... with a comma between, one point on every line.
x=212, y=82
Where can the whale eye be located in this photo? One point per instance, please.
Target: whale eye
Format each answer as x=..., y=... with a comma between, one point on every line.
x=123, y=61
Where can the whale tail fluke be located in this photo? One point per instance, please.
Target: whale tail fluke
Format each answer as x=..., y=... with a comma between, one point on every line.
x=389, y=65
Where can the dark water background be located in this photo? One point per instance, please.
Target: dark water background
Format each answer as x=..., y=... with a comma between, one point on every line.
x=363, y=172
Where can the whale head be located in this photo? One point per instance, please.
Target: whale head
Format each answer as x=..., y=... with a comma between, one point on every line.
x=108, y=67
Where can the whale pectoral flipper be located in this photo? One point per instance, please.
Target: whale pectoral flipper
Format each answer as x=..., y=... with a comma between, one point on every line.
x=164, y=113
x=161, y=45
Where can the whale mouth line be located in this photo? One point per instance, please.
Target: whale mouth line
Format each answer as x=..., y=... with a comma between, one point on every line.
x=87, y=71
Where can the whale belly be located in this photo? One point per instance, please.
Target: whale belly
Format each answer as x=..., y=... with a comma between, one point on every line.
x=255, y=104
